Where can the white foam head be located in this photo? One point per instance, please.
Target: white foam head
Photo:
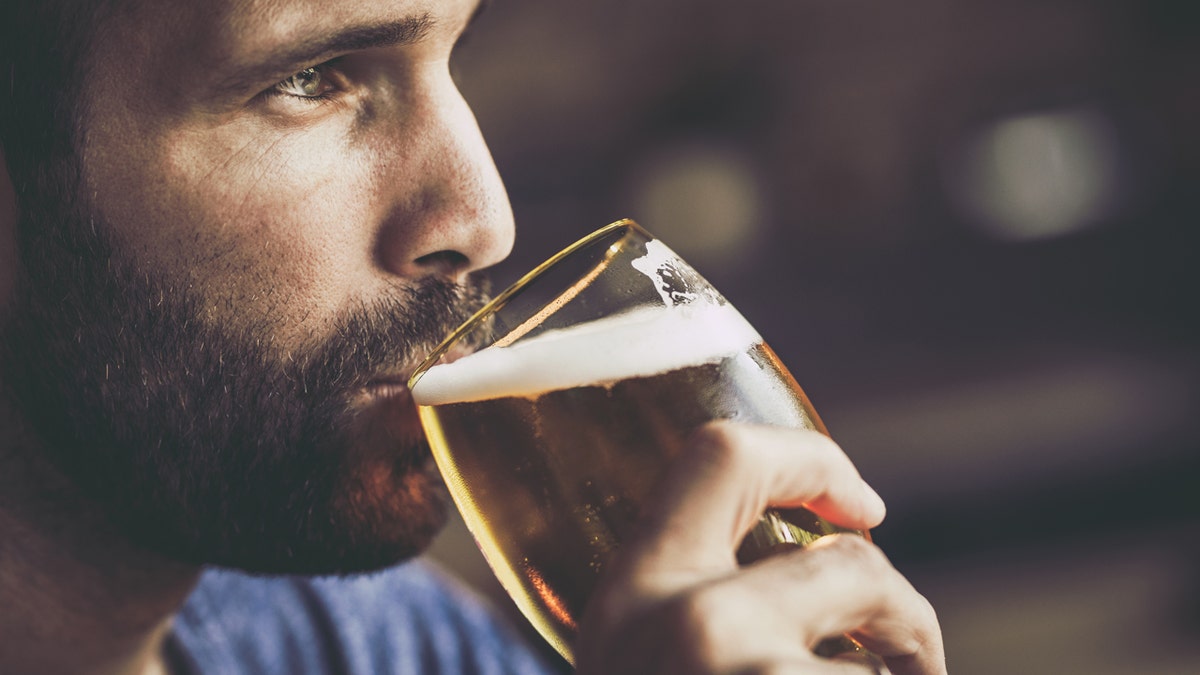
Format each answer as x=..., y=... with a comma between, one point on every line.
x=639, y=343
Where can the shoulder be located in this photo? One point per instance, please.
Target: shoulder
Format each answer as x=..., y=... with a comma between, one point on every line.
x=407, y=619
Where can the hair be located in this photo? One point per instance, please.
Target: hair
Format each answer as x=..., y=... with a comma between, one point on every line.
x=44, y=48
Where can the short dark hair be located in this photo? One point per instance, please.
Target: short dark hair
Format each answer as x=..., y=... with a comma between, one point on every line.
x=44, y=46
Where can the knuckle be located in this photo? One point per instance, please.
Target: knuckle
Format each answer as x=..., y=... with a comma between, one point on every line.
x=825, y=445
x=852, y=549
x=691, y=615
x=927, y=617
x=718, y=444
x=830, y=456
x=923, y=634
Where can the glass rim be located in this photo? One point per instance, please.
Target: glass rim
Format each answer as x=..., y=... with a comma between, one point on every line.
x=501, y=299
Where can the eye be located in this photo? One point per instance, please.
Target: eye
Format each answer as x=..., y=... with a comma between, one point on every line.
x=308, y=83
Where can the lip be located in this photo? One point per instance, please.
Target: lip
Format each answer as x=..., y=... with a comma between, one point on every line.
x=388, y=402
x=388, y=387
x=395, y=386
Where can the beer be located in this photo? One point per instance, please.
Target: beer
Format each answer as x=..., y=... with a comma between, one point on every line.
x=550, y=446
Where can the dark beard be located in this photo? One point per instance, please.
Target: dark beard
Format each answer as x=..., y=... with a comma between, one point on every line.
x=198, y=441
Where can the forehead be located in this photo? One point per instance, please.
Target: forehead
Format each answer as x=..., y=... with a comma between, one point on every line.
x=250, y=26
x=162, y=50
x=242, y=30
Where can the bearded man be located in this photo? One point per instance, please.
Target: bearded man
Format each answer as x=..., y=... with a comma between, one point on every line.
x=228, y=231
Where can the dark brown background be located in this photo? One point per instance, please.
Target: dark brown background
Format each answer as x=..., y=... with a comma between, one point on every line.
x=971, y=231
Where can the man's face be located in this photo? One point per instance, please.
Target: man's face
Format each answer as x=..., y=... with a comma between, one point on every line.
x=283, y=203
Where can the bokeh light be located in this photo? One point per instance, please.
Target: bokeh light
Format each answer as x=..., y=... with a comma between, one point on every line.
x=704, y=198
x=1040, y=175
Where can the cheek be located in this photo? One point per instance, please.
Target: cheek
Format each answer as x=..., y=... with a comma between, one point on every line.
x=279, y=228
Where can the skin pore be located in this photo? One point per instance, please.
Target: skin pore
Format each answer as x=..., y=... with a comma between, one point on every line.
x=282, y=208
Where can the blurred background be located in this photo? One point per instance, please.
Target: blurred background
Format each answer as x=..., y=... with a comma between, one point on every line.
x=970, y=229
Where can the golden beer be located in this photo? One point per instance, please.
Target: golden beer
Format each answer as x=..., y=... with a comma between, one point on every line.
x=551, y=481
x=586, y=377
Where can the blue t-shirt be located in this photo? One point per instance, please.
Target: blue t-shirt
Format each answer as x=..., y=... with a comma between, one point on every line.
x=409, y=620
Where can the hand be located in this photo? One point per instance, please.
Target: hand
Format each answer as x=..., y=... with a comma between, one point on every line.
x=676, y=602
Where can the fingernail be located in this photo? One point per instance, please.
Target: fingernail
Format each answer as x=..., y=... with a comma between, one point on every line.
x=873, y=503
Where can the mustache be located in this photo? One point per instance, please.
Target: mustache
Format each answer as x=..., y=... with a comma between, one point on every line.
x=393, y=333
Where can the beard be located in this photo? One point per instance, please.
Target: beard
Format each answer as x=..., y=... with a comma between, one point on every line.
x=202, y=442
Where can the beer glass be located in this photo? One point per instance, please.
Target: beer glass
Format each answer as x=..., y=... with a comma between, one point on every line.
x=554, y=410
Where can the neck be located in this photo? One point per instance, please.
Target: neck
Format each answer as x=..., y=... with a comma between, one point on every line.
x=77, y=597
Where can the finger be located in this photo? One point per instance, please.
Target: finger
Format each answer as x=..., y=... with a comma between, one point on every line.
x=777, y=611
x=789, y=467
x=717, y=628
x=844, y=584
x=727, y=476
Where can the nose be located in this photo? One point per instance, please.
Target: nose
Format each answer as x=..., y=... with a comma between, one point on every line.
x=450, y=213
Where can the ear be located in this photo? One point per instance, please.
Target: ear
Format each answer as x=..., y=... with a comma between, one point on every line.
x=8, y=233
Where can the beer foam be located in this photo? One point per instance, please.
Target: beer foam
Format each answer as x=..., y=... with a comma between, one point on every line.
x=639, y=343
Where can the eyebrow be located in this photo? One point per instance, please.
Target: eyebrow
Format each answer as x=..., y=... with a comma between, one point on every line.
x=320, y=48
